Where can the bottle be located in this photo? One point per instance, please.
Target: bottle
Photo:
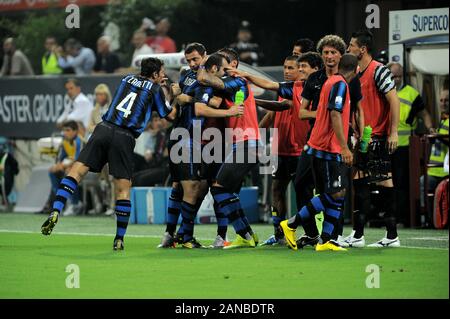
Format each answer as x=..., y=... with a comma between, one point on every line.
x=239, y=97
x=365, y=139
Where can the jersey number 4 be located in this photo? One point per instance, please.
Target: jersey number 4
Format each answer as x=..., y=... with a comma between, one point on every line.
x=128, y=101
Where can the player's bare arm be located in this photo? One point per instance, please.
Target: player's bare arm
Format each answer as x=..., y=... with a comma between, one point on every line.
x=277, y=106
x=394, y=104
x=336, y=122
x=258, y=81
x=202, y=109
x=304, y=113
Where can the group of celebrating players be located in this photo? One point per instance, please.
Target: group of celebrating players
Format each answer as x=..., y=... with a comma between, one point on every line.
x=326, y=100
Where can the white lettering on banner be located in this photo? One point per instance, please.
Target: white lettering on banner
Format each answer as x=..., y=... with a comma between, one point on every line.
x=430, y=23
x=45, y=108
x=15, y=108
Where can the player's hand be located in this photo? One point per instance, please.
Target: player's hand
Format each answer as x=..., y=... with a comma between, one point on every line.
x=183, y=99
x=392, y=142
x=347, y=156
x=235, y=72
x=286, y=103
x=236, y=110
x=175, y=88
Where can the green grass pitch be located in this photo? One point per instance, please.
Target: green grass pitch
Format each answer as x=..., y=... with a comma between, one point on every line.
x=34, y=266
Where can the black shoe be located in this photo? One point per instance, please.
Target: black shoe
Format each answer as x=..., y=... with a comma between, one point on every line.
x=193, y=243
x=305, y=240
x=118, y=244
x=49, y=224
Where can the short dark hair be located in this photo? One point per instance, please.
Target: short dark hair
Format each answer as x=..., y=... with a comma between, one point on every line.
x=230, y=53
x=70, y=124
x=214, y=59
x=348, y=63
x=306, y=44
x=291, y=58
x=73, y=43
x=364, y=38
x=150, y=66
x=195, y=46
x=75, y=82
x=312, y=58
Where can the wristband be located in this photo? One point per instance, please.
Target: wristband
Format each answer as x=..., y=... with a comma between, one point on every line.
x=201, y=66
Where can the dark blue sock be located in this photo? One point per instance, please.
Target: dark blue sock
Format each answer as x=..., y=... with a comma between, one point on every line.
x=174, y=209
x=122, y=209
x=189, y=212
x=222, y=222
x=332, y=215
x=66, y=188
x=229, y=205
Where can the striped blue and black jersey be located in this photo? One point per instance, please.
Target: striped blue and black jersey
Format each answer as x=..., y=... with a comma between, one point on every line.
x=286, y=90
x=188, y=85
x=133, y=104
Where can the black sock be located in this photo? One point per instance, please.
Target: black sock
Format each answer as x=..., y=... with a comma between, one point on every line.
x=362, y=206
x=389, y=207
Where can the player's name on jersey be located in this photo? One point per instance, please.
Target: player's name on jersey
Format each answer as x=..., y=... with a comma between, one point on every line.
x=137, y=82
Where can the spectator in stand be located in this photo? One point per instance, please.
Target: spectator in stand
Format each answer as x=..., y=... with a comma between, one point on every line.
x=50, y=59
x=249, y=52
x=106, y=61
x=102, y=101
x=75, y=56
x=140, y=47
x=161, y=42
x=79, y=110
x=303, y=46
x=69, y=151
x=15, y=61
x=156, y=155
x=9, y=168
x=437, y=156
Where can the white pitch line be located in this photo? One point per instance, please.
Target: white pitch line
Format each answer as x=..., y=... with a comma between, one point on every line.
x=86, y=234
x=155, y=236
x=430, y=238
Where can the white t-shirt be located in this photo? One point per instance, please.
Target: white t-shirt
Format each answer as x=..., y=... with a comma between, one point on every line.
x=145, y=49
x=81, y=111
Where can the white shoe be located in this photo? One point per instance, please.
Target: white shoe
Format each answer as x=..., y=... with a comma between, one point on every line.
x=386, y=243
x=109, y=212
x=219, y=242
x=351, y=241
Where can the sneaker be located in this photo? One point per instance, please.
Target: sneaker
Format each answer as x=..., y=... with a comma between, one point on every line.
x=219, y=243
x=109, y=212
x=329, y=245
x=351, y=241
x=386, y=243
x=192, y=244
x=305, y=240
x=273, y=241
x=167, y=241
x=240, y=242
x=118, y=244
x=289, y=234
x=50, y=223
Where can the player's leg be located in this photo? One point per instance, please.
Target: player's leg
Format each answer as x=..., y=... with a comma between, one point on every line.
x=304, y=191
x=122, y=209
x=387, y=192
x=173, y=214
x=65, y=191
x=279, y=186
x=193, y=194
x=225, y=192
